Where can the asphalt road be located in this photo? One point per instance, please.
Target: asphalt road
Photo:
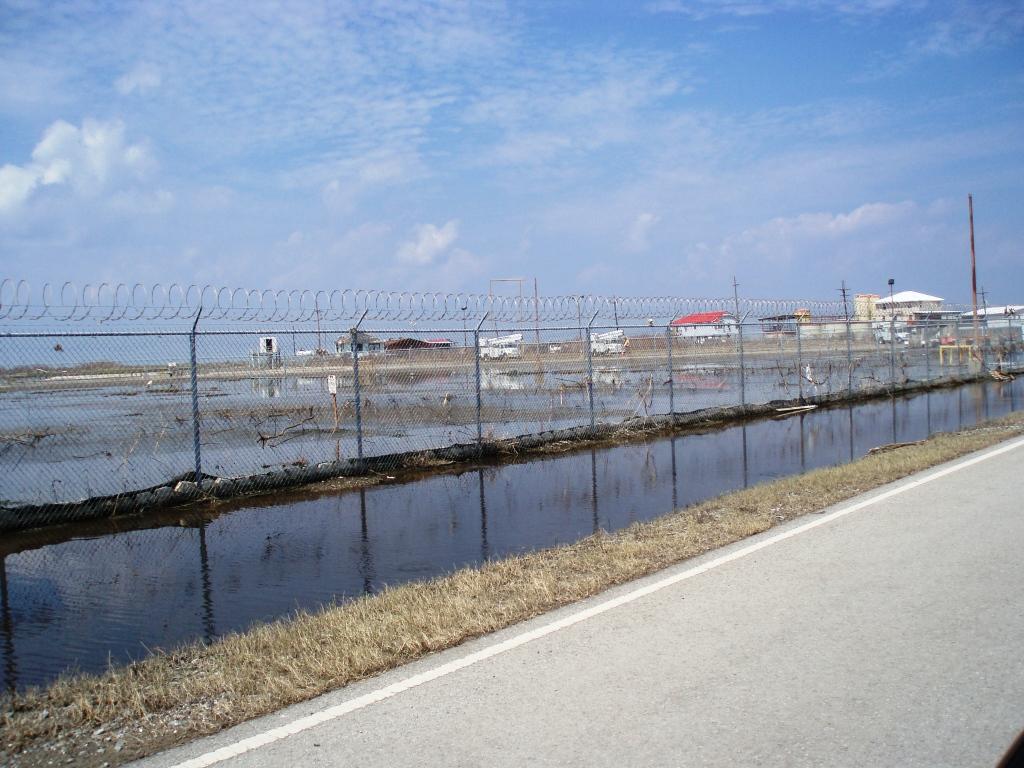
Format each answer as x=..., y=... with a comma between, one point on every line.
x=891, y=635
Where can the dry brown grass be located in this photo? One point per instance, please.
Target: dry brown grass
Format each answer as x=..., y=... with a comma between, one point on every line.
x=168, y=699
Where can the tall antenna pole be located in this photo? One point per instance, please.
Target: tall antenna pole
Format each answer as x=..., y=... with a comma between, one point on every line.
x=974, y=271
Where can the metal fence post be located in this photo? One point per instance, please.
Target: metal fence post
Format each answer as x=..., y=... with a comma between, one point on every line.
x=849, y=359
x=799, y=362
x=355, y=385
x=743, y=375
x=479, y=397
x=892, y=353
x=927, y=358
x=590, y=370
x=195, y=401
x=358, y=396
x=671, y=384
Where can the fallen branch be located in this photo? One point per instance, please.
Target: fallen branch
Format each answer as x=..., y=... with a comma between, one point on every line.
x=892, y=446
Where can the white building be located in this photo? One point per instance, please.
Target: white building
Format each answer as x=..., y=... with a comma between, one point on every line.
x=704, y=326
x=903, y=306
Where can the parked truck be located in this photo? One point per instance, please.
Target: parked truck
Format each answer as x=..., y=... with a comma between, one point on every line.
x=888, y=334
x=502, y=347
x=609, y=343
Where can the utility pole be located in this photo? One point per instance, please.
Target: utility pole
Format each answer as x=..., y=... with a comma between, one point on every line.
x=974, y=271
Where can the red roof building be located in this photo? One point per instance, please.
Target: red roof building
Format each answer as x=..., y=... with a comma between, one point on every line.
x=704, y=318
x=705, y=326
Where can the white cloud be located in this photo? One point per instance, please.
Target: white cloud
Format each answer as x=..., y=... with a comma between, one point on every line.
x=975, y=26
x=144, y=77
x=839, y=240
x=214, y=197
x=594, y=273
x=705, y=9
x=780, y=237
x=965, y=29
x=565, y=106
x=16, y=184
x=459, y=269
x=142, y=202
x=429, y=243
x=637, y=238
x=343, y=183
x=88, y=159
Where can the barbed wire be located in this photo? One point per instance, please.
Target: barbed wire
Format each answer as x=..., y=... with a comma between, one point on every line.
x=111, y=302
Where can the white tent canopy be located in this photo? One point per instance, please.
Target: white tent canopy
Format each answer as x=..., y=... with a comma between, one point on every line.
x=906, y=297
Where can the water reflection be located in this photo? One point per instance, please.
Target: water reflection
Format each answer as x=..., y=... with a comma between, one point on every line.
x=365, y=555
x=746, y=468
x=121, y=591
x=675, y=482
x=209, y=627
x=267, y=387
x=7, y=628
x=485, y=549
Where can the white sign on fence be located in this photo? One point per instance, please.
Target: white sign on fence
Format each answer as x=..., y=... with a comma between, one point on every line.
x=332, y=384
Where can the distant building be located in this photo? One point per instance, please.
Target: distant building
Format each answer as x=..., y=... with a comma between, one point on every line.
x=1010, y=310
x=1008, y=317
x=410, y=343
x=903, y=306
x=864, y=307
x=704, y=326
x=784, y=325
x=364, y=344
x=267, y=353
x=801, y=319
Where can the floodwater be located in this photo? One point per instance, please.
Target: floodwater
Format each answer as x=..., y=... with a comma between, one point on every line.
x=73, y=440
x=74, y=598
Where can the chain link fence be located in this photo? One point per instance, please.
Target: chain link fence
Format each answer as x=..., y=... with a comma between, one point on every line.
x=95, y=423
x=145, y=407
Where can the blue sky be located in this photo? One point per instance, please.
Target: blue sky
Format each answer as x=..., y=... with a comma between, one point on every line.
x=631, y=148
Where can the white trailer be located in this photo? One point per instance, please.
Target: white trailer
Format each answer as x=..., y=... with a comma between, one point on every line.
x=609, y=343
x=502, y=347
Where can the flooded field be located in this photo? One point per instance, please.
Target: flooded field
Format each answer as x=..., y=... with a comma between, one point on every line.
x=74, y=597
x=67, y=438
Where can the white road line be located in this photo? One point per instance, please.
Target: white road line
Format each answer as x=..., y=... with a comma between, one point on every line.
x=360, y=702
